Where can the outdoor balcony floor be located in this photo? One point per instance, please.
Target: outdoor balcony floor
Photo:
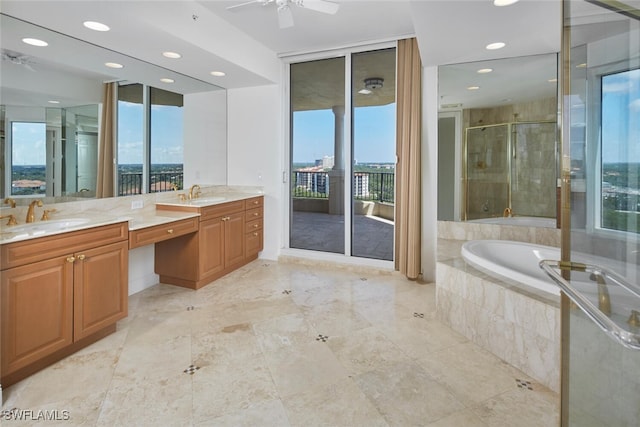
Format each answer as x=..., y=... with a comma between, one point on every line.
x=372, y=236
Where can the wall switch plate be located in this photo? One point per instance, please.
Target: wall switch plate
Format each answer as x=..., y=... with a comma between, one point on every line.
x=137, y=204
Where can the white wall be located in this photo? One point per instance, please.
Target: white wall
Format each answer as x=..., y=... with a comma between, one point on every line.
x=255, y=153
x=429, y=171
x=205, y=138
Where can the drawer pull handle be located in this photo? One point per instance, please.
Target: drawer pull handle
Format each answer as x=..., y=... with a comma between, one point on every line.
x=255, y=202
x=256, y=214
x=170, y=231
x=81, y=257
x=71, y=259
x=255, y=226
x=255, y=234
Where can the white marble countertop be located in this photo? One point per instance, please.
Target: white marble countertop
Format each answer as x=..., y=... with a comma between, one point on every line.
x=136, y=221
x=210, y=199
x=157, y=218
x=85, y=220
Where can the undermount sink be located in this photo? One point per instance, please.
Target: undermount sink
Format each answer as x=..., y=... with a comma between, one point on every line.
x=42, y=227
x=207, y=200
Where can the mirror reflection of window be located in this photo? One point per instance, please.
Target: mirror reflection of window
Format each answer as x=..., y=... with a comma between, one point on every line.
x=165, y=172
x=620, y=132
x=28, y=158
x=130, y=139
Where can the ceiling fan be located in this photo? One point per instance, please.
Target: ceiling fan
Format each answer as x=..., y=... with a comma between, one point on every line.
x=285, y=16
x=17, y=58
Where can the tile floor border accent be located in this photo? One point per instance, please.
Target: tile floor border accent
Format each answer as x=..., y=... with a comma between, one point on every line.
x=253, y=360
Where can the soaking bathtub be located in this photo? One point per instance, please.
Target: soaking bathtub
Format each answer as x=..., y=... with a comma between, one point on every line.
x=512, y=260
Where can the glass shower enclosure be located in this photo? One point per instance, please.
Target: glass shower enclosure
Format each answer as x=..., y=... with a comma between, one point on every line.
x=510, y=168
x=599, y=272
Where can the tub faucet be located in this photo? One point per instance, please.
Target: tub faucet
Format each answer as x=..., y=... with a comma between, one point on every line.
x=508, y=213
x=30, y=212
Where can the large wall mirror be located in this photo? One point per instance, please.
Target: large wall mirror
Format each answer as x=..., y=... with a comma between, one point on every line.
x=51, y=103
x=497, y=141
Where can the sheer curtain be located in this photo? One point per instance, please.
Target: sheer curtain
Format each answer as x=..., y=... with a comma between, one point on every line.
x=408, y=139
x=106, y=145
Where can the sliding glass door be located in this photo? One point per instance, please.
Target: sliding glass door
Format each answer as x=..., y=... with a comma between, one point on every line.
x=342, y=154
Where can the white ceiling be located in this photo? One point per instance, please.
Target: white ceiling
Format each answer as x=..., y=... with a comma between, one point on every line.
x=246, y=43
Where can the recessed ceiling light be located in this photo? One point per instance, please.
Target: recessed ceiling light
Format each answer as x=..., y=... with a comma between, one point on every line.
x=553, y=80
x=53, y=102
x=218, y=73
x=35, y=42
x=96, y=26
x=365, y=91
x=583, y=65
x=494, y=46
x=504, y=2
x=166, y=80
x=113, y=65
x=484, y=70
x=172, y=55
x=506, y=100
x=473, y=88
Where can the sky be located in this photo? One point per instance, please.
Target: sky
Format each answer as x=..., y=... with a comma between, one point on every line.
x=166, y=134
x=374, y=134
x=29, y=138
x=621, y=117
x=28, y=143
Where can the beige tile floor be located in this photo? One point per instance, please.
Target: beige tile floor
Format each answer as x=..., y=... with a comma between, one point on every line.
x=286, y=344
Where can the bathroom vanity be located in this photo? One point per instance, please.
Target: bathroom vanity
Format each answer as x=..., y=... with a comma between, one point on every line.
x=64, y=282
x=60, y=293
x=230, y=235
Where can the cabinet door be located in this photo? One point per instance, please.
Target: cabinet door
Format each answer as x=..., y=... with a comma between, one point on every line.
x=211, y=247
x=234, y=239
x=37, y=311
x=100, y=288
x=253, y=243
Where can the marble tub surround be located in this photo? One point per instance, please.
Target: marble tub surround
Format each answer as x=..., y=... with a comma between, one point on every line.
x=460, y=230
x=517, y=324
x=279, y=344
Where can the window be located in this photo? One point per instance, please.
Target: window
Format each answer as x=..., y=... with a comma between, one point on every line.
x=165, y=172
x=28, y=158
x=620, y=166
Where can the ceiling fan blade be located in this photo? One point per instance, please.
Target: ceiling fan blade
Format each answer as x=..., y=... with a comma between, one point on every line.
x=320, y=6
x=235, y=6
x=285, y=17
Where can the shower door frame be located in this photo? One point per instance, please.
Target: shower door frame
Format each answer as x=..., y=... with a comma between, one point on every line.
x=510, y=150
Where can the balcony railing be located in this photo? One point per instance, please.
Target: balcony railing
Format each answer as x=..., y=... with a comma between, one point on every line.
x=371, y=186
x=130, y=183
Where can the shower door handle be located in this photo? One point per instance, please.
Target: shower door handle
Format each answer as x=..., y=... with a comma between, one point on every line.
x=627, y=335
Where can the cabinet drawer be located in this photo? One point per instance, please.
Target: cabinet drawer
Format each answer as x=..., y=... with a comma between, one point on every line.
x=254, y=225
x=158, y=233
x=215, y=211
x=254, y=202
x=41, y=248
x=254, y=214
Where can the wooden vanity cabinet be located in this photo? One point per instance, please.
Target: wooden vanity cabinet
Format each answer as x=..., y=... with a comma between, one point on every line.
x=220, y=246
x=59, y=294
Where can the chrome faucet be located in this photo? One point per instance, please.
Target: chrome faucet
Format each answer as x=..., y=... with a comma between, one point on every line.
x=192, y=194
x=30, y=212
x=508, y=213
